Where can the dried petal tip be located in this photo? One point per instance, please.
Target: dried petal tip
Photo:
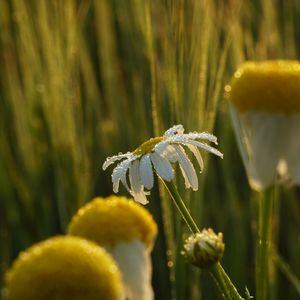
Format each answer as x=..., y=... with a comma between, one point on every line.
x=204, y=249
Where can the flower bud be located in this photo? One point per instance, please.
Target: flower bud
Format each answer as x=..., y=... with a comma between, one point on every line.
x=204, y=249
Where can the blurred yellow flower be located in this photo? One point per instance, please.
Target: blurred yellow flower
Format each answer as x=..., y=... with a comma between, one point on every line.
x=63, y=268
x=127, y=230
x=265, y=109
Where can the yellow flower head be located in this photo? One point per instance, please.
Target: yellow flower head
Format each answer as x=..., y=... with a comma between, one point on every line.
x=108, y=221
x=63, y=268
x=267, y=86
x=265, y=112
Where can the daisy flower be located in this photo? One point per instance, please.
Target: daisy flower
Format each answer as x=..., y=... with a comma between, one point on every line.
x=265, y=109
x=64, y=268
x=127, y=231
x=159, y=154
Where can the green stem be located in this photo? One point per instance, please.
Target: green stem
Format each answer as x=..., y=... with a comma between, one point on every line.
x=264, y=242
x=217, y=275
x=286, y=270
x=226, y=287
x=229, y=291
x=181, y=206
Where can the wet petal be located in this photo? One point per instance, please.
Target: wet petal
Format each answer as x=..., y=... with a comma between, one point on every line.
x=120, y=171
x=162, y=166
x=176, y=129
x=146, y=171
x=202, y=136
x=170, y=154
x=136, y=185
x=187, y=168
x=197, y=154
x=124, y=182
x=161, y=147
x=205, y=147
x=110, y=160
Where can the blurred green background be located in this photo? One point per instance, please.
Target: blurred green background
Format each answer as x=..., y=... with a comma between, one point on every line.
x=83, y=80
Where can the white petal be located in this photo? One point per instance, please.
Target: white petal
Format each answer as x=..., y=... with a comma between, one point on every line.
x=201, y=135
x=187, y=168
x=241, y=135
x=134, y=177
x=116, y=185
x=124, y=181
x=140, y=197
x=112, y=159
x=197, y=154
x=264, y=140
x=146, y=171
x=164, y=149
x=162, y=167
x=161, y=147
x=136, y=185
x=134, y=262
x=176, y=129
x=120, y=171
x=205, y=147
x=292, y=149
x=170, y=154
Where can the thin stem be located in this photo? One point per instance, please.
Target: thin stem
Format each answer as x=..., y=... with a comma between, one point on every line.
x=230, y=286
x=226, y=287
x=181, y=207
x=264, y=242
x=286, y=270
x=220, y=282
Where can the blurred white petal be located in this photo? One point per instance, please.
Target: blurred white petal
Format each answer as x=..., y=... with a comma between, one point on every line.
x=265, y=142
x=292, y=149
x=187, y=168
x=134, y=262
x=241, y=134
x=146, y=171
x=162, y=166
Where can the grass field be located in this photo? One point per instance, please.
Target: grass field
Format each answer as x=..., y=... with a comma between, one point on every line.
x=83, y=80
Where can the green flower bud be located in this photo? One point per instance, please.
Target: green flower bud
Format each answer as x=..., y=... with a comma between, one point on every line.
x=204, y=249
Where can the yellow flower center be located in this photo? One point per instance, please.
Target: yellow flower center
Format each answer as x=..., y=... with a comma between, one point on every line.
x=269, y=86
x=113, y=220
x=148, y=146
x=64, y=268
